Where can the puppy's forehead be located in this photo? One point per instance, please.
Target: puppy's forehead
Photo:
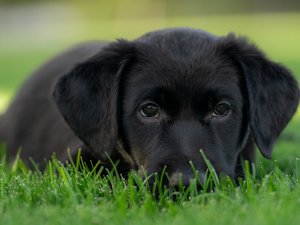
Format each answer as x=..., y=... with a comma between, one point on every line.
x=182, y=62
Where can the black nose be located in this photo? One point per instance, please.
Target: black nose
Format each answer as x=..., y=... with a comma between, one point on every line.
x=184, y=179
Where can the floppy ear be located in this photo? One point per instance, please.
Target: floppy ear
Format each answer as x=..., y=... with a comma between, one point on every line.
x=87, y=97
x=272, y=92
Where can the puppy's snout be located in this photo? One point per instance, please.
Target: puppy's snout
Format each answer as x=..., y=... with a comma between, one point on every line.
x=184, y=179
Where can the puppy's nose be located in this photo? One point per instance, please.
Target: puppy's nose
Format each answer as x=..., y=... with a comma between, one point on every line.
x=184, y=179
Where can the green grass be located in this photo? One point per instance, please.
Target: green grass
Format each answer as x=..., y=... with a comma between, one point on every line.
x=75, y=195
x=67, y=195
x=83, y=196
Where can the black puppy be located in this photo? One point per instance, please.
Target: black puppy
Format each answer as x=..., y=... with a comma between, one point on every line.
x=154, y=102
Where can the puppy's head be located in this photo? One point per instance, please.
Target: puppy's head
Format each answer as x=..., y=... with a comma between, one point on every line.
x=171, y=93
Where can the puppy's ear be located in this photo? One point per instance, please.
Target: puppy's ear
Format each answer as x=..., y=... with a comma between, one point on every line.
x=272, y=92
x=87, y=97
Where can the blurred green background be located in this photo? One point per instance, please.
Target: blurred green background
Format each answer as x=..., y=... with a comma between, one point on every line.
x=33, y=31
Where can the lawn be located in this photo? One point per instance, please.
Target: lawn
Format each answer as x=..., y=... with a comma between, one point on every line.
x=69, y=195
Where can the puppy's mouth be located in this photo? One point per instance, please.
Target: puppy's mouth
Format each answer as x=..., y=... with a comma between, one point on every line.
x=173, y=180
x=182, y=179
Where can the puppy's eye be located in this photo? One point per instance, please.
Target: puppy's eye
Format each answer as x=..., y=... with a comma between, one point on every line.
x=221, y=109
x=149, y=110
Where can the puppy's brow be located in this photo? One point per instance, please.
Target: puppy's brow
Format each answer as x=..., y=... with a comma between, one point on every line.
x=222, y=93
x=162, y=96
x=145, y=94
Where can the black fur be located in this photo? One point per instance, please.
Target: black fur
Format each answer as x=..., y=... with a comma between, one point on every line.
x=186, y=73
